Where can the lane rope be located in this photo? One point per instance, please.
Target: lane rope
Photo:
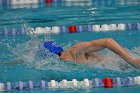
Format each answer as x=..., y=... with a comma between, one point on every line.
x=64, y=84
x=71, y=29
x=36, y=3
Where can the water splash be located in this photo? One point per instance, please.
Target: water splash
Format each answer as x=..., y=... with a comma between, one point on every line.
x=112, y=61
x=36, y=56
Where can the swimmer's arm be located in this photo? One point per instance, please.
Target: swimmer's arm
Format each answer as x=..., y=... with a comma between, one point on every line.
x=19, y=61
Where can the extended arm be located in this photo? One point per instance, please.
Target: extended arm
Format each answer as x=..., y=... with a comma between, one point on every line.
x=116, y=48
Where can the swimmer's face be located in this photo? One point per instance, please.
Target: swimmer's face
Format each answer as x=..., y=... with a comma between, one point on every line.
x=65, y=56
x=61, y=56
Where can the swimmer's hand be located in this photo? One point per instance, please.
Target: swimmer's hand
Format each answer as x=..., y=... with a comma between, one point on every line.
x=19, y=61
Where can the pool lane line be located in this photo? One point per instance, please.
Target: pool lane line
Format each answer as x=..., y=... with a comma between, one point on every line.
x=74, y=84
x=36, y=3
x=71, y=29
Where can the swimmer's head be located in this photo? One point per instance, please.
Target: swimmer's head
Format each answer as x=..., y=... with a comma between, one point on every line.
x=53, y=47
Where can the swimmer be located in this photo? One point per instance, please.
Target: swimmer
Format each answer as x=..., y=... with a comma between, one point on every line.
x=83, y=51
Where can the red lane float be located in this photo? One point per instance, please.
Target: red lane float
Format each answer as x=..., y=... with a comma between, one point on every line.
x=108, y=82
x=72, y=29
x=49, y=1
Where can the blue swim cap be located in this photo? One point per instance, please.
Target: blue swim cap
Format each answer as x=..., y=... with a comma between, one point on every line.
x=53, y=47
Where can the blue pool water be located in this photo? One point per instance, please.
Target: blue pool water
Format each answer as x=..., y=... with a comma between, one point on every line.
x=25, y=47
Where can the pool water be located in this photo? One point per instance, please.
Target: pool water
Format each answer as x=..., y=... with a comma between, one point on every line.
x=52, y=68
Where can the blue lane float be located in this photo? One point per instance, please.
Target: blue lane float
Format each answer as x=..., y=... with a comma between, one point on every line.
x=71, y=29
x=64, y=84
x=13, y=32
x=24, y=85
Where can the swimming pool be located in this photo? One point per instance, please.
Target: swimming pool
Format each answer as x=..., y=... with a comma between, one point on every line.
x=92, y=12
